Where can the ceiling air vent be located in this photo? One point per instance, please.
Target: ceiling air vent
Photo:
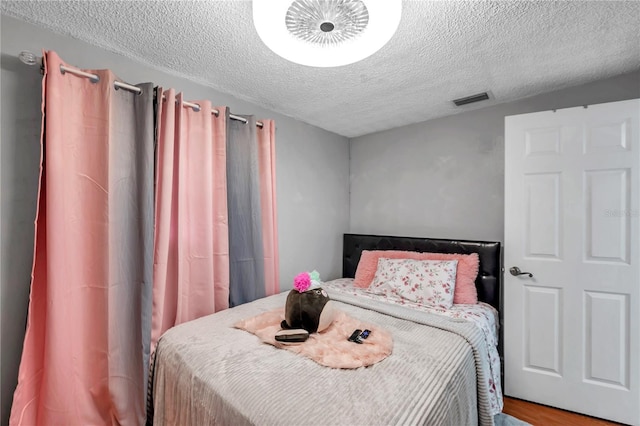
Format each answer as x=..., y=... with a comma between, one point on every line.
x=471, y=99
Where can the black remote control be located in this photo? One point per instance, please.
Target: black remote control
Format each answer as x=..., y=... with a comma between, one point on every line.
x=362, y=336
x=354, y=335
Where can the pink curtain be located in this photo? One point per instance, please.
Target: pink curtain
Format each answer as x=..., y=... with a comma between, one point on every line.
x=83, y=359
x=105, y=283
x=191, y=259
x=267, y=166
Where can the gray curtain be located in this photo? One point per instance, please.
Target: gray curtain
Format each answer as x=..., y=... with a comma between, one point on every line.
x=246, y=259
x=131, y=223
x=144, y=217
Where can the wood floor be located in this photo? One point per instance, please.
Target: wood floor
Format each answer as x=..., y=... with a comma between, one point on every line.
x=547, y=416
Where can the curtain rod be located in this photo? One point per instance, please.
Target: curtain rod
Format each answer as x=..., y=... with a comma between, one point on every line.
x=129, y=87
x=30, y=59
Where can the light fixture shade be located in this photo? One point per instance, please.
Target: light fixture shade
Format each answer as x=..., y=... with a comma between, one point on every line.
x=326, y=33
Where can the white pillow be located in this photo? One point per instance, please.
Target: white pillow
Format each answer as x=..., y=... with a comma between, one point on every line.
x=427, y=282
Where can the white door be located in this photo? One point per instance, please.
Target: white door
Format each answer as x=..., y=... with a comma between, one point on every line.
x=572, y=219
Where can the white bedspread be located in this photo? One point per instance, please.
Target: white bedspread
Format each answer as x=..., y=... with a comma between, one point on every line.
x=207, y=372
x=483, y=315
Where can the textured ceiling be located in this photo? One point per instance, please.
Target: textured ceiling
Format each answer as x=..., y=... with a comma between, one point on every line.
x=442, y=50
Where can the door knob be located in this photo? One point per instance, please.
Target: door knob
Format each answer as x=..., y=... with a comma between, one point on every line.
x=515, y=271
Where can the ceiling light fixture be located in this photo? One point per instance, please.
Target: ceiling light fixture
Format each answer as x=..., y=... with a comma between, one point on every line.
x=326, y=33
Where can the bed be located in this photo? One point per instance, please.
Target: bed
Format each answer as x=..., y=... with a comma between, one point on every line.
x=444, y=369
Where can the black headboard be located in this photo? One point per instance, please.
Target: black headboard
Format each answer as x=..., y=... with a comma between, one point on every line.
x=488, y=282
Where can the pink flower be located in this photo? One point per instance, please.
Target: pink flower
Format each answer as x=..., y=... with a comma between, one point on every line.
x=302, y=282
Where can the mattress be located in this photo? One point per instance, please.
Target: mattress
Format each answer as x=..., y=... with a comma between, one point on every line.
x=208, y=372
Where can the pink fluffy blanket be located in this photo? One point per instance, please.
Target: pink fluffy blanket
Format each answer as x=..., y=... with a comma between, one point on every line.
x=330, y=347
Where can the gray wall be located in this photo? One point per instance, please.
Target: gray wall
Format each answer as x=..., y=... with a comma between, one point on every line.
x=444, y=177
x=313, y=202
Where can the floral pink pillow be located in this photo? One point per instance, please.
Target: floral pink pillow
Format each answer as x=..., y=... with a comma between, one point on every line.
x=428, y=282
x=467, y=271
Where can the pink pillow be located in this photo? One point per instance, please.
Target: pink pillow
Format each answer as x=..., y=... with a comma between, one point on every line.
x=468, y=264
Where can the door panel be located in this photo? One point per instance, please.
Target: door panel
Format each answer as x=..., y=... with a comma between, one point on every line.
x=543, y=336
x=572, y=219
x=607, y=339
x=542, y=221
